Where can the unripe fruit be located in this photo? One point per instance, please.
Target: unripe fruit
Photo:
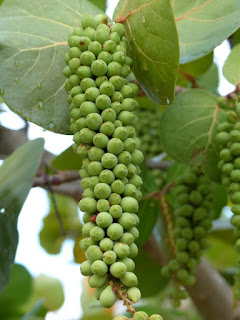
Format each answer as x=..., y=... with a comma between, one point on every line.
x=102, y=191
x=109, y=257
x=115, y=231
x=140, y=315
x=109, y=160
x=156, y=317
x=115, y=211
x=129, y=279
x=118, y=186
x=107, y=297
x=127, y=221
x=118, y=269
x=129, y=263
x=86, y=268
x=88, y=205
x=94, y=253
x=99, y=268
x=122, y=250
x=96, y=281
x=97, y=233
x=133, y=251
x=104, y=219
x=134, y=294
x=129, y=204
x=103, y=205
x=106, y=244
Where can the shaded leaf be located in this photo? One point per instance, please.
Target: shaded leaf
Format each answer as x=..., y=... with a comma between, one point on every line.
x=51, y=237
x=209, y=80
x=188, y=129
x=38, y=311
x=33, y=41
x=203, y=25
x=79, y=254
x=220, y=199
x=149, y=184
x=236, y=37
x=197, y=67
x=153, y=46
x=67, y=160
x=13, y=297
x=231, y=68
x=148, y=214
x=215, y=252
x=149, y=274
x=49, y=288
x=16, y=179
x=101, y=4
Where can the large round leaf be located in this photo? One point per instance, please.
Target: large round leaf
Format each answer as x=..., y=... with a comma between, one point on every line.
x=188, y=129
x=33, y=41
x=203, y=25
x=231, y=68
x=153, y=45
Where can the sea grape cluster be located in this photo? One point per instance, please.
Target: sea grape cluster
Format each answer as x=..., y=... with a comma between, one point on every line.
x=193, y=214
x=102, y=105
x=228, y=139
x=141, y=315
x=148, y=131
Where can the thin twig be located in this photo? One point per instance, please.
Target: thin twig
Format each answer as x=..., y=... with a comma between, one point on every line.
x=63, y=232
x=121, y=291
x=57, y=179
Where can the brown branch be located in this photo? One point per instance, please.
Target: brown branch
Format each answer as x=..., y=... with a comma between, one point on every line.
x=211, y=294
x=189, y=77
x=163, y=165
x=57, y=179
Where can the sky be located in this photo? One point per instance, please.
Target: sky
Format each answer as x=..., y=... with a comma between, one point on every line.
x=29, y=252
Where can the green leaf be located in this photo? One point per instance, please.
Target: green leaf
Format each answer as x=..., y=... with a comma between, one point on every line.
x=51, y=238
x=220, y=199
x=231, y=68
x=13, y=297
x=149, y=184
x=198, y=67
x=188, y=129
x=148, y=214
x=33, y=41
x=148, y=272
x=101, y=4
x=16, y=179
x=236, y=37
x=153, y=46
x=209, y=80
x=203, y=25
x=38, y=311
x=49, y=288
x=189, y=71
x=67, y=160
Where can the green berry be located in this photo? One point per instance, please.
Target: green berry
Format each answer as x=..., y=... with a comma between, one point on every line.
x=106, y=244
x=94, y=253
x=134, y=294
x=97, y=233
x=96, y=281
x=133, y=251
x=102, y=191
x=103, y=205
x=115, y=231
x=109, y=160
x=129, y=263
x=88, y=205
x=99, y=68
x=129, y=279
x=95, y=47
x=95, y=168
x=107, y=88
x=104, y=219
x=118, y=269
x=109, y=115
x=115, y=211
x=107, y=297
x=107, y=128
x=88, y=21
x=109, y=257
x=86, y=268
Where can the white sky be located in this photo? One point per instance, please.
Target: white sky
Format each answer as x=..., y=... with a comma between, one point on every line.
x=29, y=251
